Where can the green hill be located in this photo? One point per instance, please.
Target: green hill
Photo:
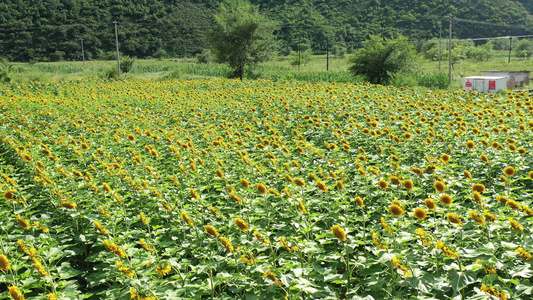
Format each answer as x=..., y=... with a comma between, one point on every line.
x=53, y=29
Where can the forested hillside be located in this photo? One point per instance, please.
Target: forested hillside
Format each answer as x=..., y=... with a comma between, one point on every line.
x=53, y=29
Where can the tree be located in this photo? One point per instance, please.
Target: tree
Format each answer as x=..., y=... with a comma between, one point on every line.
x=524, y=49
x=380, y=59
x=241, y=36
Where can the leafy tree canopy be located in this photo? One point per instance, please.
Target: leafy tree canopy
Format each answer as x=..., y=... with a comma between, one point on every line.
x=44, y=30
x=242, y=36
x=381, y=58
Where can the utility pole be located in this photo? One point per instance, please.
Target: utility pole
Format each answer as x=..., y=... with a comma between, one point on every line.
x=298, y=56
x=510, y=48
x=450, y=51
x=440, y=44
x=327, y=54
x=82, y=53
x=116, y=40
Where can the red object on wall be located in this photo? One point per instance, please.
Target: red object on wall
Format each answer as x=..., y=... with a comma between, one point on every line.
x=468, y=84
x=492, y=84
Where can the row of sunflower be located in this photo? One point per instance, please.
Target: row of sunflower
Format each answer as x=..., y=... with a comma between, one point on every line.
x=161, y=190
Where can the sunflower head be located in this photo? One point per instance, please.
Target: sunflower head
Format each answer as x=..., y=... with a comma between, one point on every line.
x=439, y=186
x=478, y=187
x=396, y=210
x=420, y=213
x=446, y=199
x=430, y=204
x=408, y=184
x=509, y=171
x=383, y=184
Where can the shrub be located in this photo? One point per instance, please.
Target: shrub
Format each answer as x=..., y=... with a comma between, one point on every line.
x=205, y=57
x=524, y=49
x=5, y=71
x=126, y=63
x=110, y=73
x=380, y=59
x=160, y=54
x=439, y=80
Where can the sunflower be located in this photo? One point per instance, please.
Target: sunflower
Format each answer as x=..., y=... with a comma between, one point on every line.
x=479, y=219
x=408, y=184
x=299, y=181
x=477, y=197
x=359, y=201
x=219, y=173
x=241, y=224
x=23, y=223
x=478, y=187
x=430, y=204
x=439, y=186
x=455, y=219
x=502, y=199
x=509, y=171
x=396, y=210
x=420, y=213
x=226, y=243
x=513, y=205
x=211, y=230
x=395, y=179
x=484, y=158
x=504, y=179
x=470, y=144
x=68, y=205
x=261, y=188
x=245, y=183
x=340, y=185
x=321, y=186
x=4, y=263
x=531, y=175
x=446, y=199
x=467, y=174
x=15, y=293
x=445, y=158
x=8, y=195
x=515, y=225
x=383, y=184
x=339, y=233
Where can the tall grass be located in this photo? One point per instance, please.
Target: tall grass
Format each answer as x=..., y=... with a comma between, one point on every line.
x=279, y=69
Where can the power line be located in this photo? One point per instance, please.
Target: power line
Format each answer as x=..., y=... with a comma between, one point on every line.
x=493, y=24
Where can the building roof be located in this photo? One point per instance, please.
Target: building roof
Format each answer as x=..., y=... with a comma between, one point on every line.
x=509, y=71
x=485, y=77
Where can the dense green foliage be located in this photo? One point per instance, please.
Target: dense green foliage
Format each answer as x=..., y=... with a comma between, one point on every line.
x=51, y=30
x=241, y=36
x=226, y=189
x=380, y=59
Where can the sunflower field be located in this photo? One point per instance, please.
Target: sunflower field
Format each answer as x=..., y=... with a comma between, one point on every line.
x=225, y=189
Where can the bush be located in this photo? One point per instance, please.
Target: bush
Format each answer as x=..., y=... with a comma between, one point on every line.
x=380, y=59
x=57, y=56
x=5, y=71
x=524, y=49
x=110, y=73
x=438, y=81
x=126, y=63
x=160, y=54
x=403, y=80
x=109, y=55
x=205, y=57
x=176, y=74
